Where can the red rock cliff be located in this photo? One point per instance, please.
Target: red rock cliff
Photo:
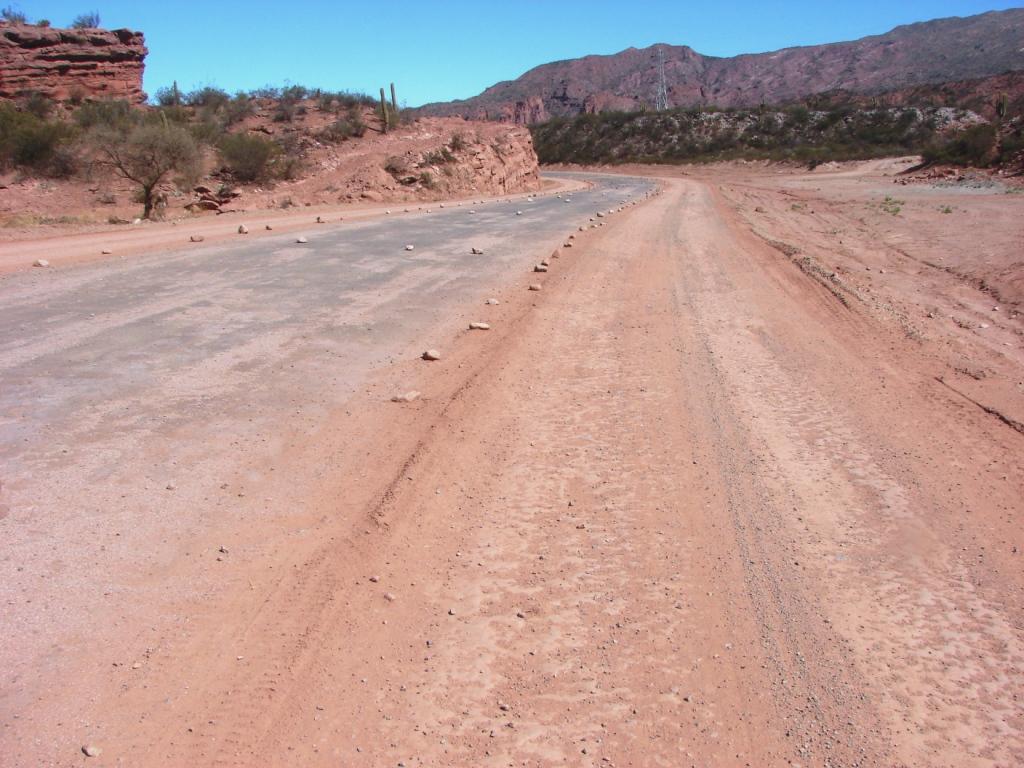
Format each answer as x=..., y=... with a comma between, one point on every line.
x=62, y=63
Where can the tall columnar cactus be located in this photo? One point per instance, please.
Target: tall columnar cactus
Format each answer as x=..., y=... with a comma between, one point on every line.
x=384, y=111
x=394, y=100
x=1002, y=104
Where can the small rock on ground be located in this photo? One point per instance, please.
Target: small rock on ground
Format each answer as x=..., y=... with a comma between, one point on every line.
x=90, y=750
x=405, y=397
x=492, y=302
x=40, y=263
x=534, y=287
x=479, y=327
x=431, y=354
x=196, y=239
x=540, y=268
x=410, y=247
x=243, y=230
x=301, y=240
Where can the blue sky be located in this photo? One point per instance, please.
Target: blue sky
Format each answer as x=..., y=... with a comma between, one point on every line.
x=437, y=51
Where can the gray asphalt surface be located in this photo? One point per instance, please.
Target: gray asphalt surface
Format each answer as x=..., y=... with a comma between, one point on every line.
x=73, y=341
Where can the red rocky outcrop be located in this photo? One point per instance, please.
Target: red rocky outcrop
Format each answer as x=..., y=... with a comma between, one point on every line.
x=67, y=63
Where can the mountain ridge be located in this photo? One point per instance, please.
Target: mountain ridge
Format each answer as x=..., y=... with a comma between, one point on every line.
x=927, y=52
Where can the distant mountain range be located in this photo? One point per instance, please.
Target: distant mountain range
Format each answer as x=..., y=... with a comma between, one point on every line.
x=939, y=51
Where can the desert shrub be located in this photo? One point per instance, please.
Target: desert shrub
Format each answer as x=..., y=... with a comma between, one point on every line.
x=207, y=96
x=972, y=146
x=284, y=112
x=344, y=128
x=290, y=163
x=169, y=97
x=427, y=180
x=39, y=105
x=396, y=165
x=438, y=157
x=89, y=20
x=208, y=128
x=249, y=158
x=458, y=142
x=13, y=15
x=109, y=113
x=32, y=142
x=175, y=114
x=238, y=108
x=146, y=154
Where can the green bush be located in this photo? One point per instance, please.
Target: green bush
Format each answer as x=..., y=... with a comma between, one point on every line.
x=13, y=15
x=207, y=96
x=31, y=142
x=147, y=153
x=248, y=158
x=972, y=146
x=89, y=20
x=344, y=128
x=111, y=114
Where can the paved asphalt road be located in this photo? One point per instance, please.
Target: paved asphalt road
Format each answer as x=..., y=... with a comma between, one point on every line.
x=75, y=341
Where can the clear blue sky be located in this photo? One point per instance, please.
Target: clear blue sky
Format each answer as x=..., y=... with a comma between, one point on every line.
x=437, y=51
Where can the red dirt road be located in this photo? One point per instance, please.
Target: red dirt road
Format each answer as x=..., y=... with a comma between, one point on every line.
x=695, y=503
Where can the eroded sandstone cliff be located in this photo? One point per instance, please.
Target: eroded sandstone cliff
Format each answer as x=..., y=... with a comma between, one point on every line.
x=71, y=63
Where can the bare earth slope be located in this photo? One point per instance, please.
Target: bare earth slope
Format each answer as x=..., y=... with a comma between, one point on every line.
x=702, y=500
x=928, y=52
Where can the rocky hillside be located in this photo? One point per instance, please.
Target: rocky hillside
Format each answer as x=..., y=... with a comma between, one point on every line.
x=275, y=149
x=813, y=136
x=929, y=52
x=63, y=64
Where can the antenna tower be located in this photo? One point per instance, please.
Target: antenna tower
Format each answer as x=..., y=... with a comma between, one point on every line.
x=661, y=96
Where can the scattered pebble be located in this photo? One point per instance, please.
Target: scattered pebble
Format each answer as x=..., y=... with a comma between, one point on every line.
x=40, y=263
x=375, y=579
x=268, y=228
x=431, y=354
x=410, y=247
x=479, y=327
x=492, y=302
x=243, y=230
x=301, y=240
x=405, y=397
x=476, y=251
x=90, y=750
x=106, y=251
x=540, y=268
x=534, y=287
x=196, y=239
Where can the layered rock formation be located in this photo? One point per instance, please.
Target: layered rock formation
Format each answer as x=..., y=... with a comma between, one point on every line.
x=937, y=51
x=71, y=63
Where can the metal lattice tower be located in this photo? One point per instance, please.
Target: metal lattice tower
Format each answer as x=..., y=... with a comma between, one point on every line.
x=661, y=95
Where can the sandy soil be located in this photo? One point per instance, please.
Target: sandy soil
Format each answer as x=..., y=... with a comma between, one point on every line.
x=740, y=486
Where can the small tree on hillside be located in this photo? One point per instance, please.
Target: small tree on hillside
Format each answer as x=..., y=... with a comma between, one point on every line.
x=12, y=15
x=89, y=20
x=147, y=155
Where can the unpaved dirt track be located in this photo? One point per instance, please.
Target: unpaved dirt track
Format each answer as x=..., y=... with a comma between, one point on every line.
x=682, y=507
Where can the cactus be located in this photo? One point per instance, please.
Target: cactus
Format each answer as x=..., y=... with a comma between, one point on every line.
x=384, y=111
x=394, y=100
x=1002, y=103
